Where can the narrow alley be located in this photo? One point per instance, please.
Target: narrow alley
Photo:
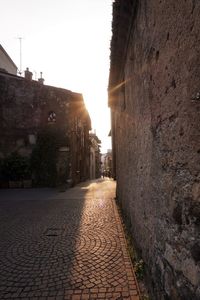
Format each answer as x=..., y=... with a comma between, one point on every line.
x=66, y=245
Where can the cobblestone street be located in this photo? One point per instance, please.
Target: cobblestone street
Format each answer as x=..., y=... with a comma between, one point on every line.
x=66, y=245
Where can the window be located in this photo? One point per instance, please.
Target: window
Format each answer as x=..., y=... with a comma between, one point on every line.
x=52, y=117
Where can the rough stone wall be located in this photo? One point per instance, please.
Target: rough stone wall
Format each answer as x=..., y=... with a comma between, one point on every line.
x=25, y=109
x=156, y=130
x=95, y=156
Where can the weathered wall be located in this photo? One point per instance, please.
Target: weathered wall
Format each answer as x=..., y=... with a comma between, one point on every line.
x=156, y=130
x=26, y=108
x=95, y=156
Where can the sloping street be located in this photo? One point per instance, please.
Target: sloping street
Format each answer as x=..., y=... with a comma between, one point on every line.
x=67, y=245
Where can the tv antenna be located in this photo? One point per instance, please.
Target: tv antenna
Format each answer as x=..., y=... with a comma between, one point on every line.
x=35, y=74
x=20, y=55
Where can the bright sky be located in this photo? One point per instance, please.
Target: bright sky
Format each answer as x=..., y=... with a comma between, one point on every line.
x=69, y=41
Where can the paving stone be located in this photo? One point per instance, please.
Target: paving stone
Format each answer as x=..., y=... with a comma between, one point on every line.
x=85, y=297
x=134, y=298
x=76, y=297
x=64, y=246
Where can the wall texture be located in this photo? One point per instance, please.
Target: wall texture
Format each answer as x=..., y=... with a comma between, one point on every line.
x=154, y=89
x=27, y=108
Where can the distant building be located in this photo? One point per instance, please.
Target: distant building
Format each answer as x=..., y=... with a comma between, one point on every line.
x=6, y=63
x=106, y=163
x=95, y=156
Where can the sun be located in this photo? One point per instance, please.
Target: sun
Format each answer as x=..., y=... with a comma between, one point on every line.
x=96, y=104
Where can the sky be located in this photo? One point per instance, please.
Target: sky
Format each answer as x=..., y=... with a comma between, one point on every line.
x=67, y=40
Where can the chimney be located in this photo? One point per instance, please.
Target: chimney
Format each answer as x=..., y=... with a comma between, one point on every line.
x=41, y=80
x=28, y=74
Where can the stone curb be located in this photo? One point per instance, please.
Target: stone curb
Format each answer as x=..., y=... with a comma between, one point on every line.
x=132, y=280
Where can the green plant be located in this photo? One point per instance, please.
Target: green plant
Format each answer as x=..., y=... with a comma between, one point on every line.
x=145, y=297
x=139, y=269
x=15, y=167
x=138, y=263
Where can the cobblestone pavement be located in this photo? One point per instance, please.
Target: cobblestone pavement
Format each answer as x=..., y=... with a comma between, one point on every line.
x=64, y=245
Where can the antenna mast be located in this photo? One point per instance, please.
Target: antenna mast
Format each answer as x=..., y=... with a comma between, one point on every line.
x=20, y=55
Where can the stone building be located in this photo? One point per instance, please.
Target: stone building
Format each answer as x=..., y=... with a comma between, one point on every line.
x=154, y=96
x=6, y=63
x=95, y=156
x=106, y=160
x=34, y=116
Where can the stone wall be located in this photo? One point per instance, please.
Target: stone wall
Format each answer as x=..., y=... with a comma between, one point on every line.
x=28, y=108
x=95, y=156
x=155, y=102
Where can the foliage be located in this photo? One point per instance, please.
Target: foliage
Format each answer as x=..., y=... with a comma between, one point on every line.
x=44, y=156
x=138, y=263
x=139, y=269
x=15, y=167
x=145, y=297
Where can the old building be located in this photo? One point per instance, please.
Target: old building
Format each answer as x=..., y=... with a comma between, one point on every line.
x=106, y=160
x=49, y=125
x=154, y=96
x=95, y=156
x=6, y=63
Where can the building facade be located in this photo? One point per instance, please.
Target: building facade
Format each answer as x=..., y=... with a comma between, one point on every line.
x=154, y=96
x=95, y=156
x=49, y=125
x=106, y=167
x=6, y=63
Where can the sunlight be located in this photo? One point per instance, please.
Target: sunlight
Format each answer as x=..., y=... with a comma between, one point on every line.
x=100, y=115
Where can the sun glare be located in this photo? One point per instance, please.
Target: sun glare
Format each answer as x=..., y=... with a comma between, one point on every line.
x=100, y=115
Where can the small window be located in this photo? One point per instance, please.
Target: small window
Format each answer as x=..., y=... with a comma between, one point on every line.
x=52, y=117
